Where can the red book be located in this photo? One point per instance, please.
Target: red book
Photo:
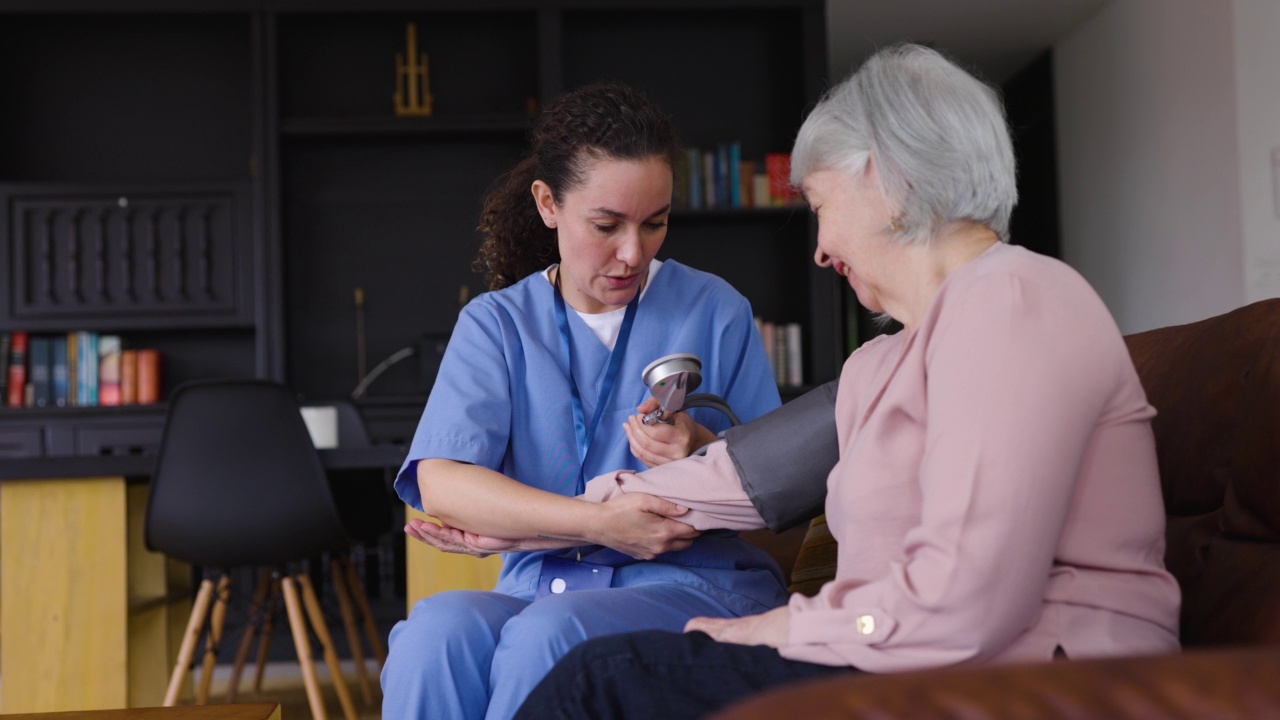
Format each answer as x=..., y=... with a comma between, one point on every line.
x=778, y=166
x=128, y=377
x=17, y=370
x=148, y=376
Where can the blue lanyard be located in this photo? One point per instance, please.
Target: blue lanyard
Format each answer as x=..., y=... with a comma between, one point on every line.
x=585, y=432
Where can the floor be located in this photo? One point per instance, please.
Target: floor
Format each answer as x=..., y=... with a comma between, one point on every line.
x=282, y=678
x=282, y=683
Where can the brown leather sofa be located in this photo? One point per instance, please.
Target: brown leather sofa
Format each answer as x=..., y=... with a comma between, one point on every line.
x=1216, y=387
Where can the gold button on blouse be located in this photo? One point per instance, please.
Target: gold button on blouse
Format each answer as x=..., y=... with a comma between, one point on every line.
x=866, y=624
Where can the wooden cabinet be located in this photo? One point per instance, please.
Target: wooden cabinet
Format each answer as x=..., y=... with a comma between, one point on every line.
x=219, y=180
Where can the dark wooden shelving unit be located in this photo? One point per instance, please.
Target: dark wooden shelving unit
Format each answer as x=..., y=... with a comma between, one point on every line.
x=375, y=125
x=288, y=104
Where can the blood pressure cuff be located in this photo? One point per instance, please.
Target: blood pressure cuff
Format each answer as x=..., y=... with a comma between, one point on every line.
x=783, y=458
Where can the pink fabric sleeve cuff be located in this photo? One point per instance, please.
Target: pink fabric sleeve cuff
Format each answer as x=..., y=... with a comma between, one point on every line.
x=708, y=485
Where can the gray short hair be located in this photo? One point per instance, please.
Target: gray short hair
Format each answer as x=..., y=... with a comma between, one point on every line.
x=937, y=134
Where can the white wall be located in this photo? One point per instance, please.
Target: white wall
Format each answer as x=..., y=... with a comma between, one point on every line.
x=1148, y=154
x=1257, y=56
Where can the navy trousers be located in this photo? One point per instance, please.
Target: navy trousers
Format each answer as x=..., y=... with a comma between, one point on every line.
x=656, y=674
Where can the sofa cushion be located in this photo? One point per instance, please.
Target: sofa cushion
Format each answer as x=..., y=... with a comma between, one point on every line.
x=1215, y=385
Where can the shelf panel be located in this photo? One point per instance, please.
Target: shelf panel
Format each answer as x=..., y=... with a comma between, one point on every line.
x=742, y=212
x=393, y=126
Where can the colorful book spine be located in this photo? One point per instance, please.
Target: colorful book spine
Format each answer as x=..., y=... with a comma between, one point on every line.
x=746, y=174
x=795, y=356
x=128, y=377
x=709, y=197
x=109, y=370
x=760, y=191
x=73, y=368
x=769, y=336
x=4, y=368
x=148, y=377
x=59, y=375
x=17, y=370
x=38, y=366
x=735, y=175
x=778, y=168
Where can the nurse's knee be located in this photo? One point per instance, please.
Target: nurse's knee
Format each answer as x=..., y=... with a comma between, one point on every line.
x=450, y=622
x=551, y=625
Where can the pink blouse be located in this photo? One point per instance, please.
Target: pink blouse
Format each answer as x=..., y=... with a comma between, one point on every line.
x=997, y=493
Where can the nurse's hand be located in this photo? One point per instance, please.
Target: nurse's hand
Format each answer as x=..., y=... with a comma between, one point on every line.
x=770, y=628
x=661, y=443
x=452, y=540
x=640, y=525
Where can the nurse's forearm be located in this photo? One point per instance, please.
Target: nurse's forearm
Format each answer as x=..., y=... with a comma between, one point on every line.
x=480, y=500
x=484, y=502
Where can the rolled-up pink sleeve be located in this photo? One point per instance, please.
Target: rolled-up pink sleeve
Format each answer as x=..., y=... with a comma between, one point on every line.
x=708, y=485
x=1016, y=382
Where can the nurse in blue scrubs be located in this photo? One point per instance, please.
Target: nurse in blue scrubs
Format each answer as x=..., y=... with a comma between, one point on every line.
x=534, y=395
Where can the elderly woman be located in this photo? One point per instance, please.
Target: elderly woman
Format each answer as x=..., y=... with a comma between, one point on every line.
x=996, y=496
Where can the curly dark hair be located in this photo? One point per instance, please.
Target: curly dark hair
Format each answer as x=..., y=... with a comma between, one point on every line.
x=608, y=120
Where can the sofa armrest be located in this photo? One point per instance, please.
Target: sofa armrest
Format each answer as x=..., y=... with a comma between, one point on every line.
x=1223, y=683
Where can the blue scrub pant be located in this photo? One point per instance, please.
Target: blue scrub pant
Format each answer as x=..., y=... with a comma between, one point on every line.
x=475, y=654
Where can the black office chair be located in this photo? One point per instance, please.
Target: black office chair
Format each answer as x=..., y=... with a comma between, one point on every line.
x=238, y=482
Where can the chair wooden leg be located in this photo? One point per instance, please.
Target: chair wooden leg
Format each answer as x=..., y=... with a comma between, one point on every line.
x=256, y=611
x=349, y=626
x=362, y=602
x=268, y=626
x=298, y=625
x=326, y=642
x=217, y=620
x=187, y=652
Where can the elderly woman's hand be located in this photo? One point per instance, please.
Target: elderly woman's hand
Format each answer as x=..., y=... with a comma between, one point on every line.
x=661, y=443
x=770, y=628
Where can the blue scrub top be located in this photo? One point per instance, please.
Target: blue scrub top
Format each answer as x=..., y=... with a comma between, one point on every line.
x=501, y=400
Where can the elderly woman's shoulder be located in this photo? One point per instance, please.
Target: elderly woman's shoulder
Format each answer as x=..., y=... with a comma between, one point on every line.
x=1014, y=266
x=1017, y=282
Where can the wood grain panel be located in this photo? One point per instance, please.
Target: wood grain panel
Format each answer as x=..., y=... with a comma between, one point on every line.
x=430, y=571
x=63, y=600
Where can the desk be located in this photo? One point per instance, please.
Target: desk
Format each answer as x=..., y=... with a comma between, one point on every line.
x=89, y=618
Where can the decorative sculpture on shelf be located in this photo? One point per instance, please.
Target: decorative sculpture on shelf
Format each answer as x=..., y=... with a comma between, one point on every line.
x=413, y=86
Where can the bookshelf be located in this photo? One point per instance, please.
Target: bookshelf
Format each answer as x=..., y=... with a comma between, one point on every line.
x=282, y=111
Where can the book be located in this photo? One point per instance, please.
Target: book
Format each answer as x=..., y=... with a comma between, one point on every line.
x=769, y=336
x=760, y=191
x=709, y=197
x=87, y=369
x=17, y=370
x=38, y=364
x=4, y=368
x=680, y=181
x=73, y=368
x=694, y=161
x=795, y=355
x=735, y=175
x=128, y=377
x=58, y=371
x=148, y=362
x=109, y=370
x=778, y=167
x=746, y=175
